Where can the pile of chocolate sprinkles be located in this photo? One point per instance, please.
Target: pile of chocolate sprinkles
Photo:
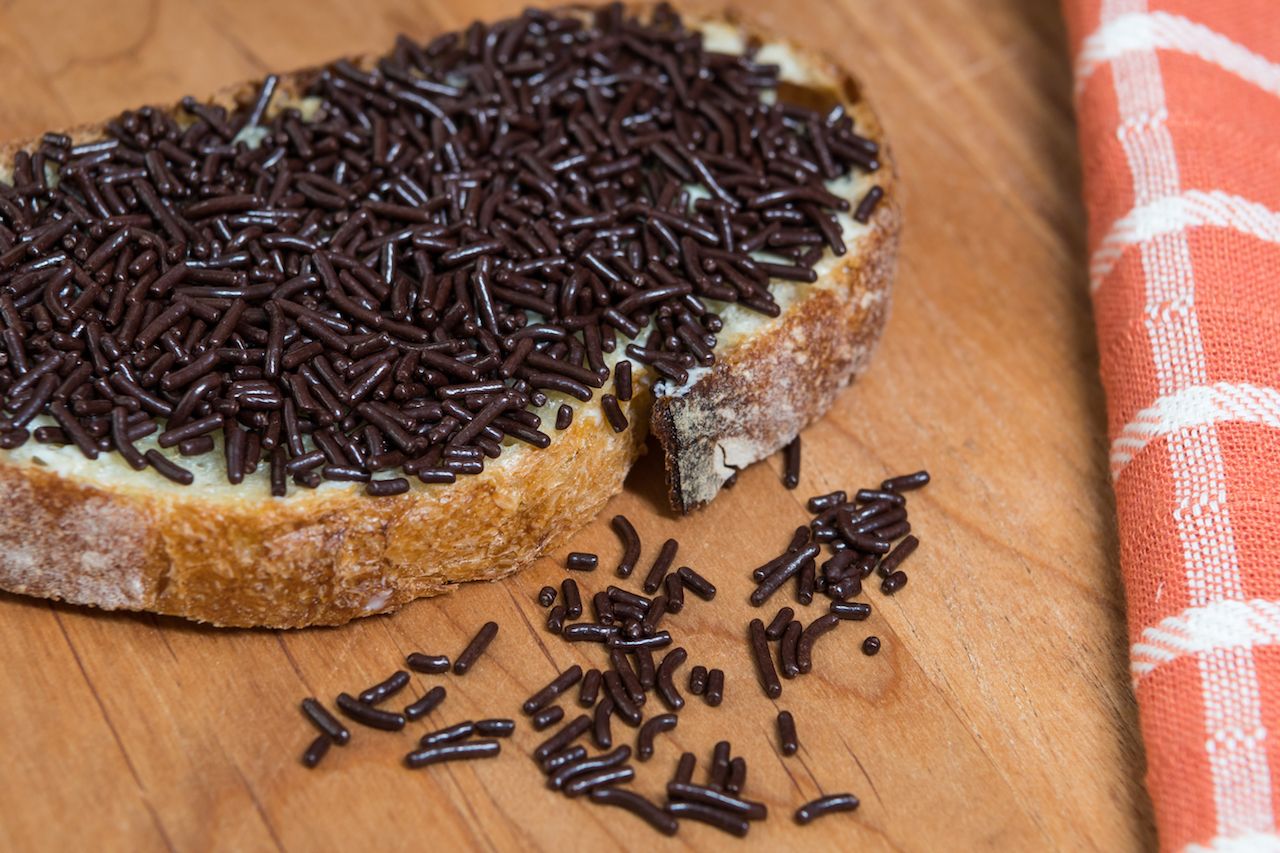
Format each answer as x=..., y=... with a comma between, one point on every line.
x=630, y=629
x=448, y=744
x=393, y=278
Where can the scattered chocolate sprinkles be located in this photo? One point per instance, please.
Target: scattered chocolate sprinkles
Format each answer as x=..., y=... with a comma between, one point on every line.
x=451, y=234
x=871, y=646
x=546, y=596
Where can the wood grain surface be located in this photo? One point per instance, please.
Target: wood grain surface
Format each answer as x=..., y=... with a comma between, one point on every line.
x=998, y=715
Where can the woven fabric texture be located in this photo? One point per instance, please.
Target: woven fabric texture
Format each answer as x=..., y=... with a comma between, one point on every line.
x=1179, y=115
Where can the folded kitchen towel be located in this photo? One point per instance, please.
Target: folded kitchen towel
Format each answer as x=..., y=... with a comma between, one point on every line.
x=1179, y=114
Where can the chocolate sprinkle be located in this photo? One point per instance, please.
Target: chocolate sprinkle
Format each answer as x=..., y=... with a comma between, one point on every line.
x=329, y=725
x=613, y=412
x=637, y=805
x=722, y=820
x=666, y=556
x=824, y=806
x=428, y=703
x=368, y=715
x=547, y=717
x=787, y=733
x=650, y=730
x=316, y=751
x=630, y=545
x=552, y=690
x=791, y=467
x=715, y=687
x=764, y=660
x=452, y=752
x=394, y=683
x=429, y=664
x=475, y=648
x=581, y=562
x=698, y=680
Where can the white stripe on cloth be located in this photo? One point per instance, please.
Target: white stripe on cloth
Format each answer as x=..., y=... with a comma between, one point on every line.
x=1175, y=213
x=1129, y=37
x=1245, y=842
x=1220, y=625
x=1197, y=405
x=1147, y=32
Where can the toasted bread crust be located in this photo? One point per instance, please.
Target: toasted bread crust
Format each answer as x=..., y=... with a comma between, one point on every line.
x=763, y=393
x=321, y=558
x=329, y=556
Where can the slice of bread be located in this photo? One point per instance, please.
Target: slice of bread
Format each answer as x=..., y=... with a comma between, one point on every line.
x=100, y=533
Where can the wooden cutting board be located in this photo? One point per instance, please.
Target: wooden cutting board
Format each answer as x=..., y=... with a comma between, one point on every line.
x=998, y=714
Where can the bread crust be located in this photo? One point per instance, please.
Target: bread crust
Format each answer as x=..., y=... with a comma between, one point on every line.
x=760, y=396
x=331, y=555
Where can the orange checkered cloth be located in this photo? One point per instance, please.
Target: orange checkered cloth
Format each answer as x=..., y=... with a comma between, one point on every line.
x=1179, y=114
